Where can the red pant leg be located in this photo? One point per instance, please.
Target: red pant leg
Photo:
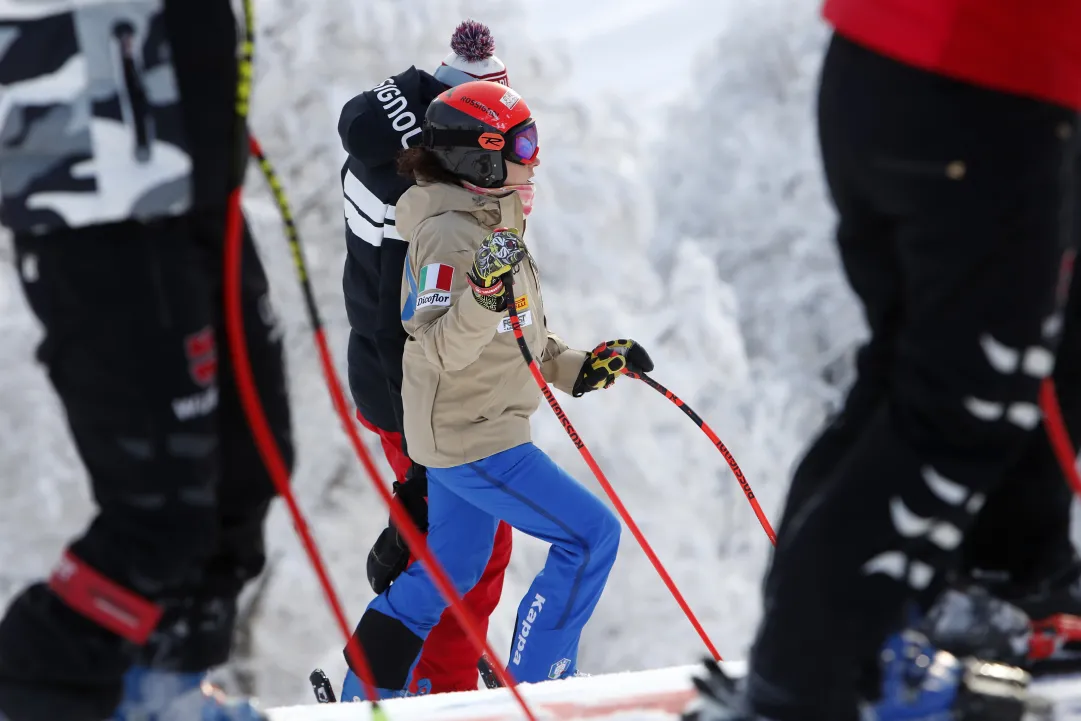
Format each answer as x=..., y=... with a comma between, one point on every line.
x=392, y=448
x=448, y=660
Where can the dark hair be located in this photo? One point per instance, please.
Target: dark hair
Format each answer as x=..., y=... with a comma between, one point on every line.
x=423, y=164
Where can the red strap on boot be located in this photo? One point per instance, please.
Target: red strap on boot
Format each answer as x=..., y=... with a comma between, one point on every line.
x=104, y=601
x=1050, y=635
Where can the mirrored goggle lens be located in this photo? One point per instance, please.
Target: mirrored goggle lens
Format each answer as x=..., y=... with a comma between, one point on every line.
x=526, y=144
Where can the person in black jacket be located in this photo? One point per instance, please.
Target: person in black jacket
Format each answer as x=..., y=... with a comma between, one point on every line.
x=115, y=181
x=375, y=127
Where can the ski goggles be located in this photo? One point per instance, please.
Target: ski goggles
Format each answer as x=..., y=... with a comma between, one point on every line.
x=523, y=144
x=520, y=144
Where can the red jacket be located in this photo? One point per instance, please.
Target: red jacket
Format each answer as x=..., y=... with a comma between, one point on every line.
x=1025, y=47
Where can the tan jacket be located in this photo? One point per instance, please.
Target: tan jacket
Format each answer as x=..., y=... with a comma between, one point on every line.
x=466, y=390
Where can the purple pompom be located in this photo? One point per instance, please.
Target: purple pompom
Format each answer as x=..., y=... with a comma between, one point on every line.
x=473, y=41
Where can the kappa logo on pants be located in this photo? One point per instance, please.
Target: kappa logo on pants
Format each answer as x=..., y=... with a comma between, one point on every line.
x=527, y=625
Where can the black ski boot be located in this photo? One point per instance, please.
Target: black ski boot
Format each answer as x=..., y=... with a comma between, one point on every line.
x=1054, y=607
x=971, y=622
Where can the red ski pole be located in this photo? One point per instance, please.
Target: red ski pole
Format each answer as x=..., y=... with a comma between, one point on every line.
x=1058, y=434
x=247, y=390
x=264, y=437
x=534, y=369
x=689, y=412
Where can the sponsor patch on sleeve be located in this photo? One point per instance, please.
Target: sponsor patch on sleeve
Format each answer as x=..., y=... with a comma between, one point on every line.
x=433, y=285
x=433, y=299
x=524, y=318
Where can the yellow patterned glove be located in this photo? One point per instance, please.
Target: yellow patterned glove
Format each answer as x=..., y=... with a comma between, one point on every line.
x=501, y=250
x=605, y=363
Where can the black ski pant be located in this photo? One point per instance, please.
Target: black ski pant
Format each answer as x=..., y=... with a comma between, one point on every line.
x=135, y=348
x=1023, y=533
x=955, y=211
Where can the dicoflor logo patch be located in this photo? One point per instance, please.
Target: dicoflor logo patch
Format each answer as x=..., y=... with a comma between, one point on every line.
x=434, y=284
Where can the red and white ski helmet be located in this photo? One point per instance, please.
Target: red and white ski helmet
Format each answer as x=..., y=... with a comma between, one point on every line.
x=476, y=128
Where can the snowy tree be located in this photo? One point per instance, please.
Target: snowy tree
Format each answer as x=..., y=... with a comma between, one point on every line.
x=741, y=172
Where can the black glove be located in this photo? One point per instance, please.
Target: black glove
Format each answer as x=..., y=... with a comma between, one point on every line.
x=501, y=250
x=718, y=699
x=605, y=363
x=390, y=554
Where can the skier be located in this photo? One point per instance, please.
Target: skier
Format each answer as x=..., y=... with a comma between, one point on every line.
x=374, y=127
x=468, y=395
x=115, y=181
x=948, y=136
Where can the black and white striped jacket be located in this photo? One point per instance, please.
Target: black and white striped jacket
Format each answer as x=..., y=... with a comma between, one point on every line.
x=374, y=127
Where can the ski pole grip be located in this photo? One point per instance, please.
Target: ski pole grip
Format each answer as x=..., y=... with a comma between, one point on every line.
x=508, y=283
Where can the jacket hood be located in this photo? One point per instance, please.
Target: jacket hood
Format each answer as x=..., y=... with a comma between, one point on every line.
x=427, y=200
x=377, y=124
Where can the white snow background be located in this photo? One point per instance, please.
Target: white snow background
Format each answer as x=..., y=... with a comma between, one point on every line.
x=679, y=203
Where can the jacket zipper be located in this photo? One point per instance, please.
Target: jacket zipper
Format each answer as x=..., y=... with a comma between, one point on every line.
x=136, y=91
x=535, y=271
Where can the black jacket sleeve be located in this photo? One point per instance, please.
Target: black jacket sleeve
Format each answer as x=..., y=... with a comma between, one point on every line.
x=390, y=336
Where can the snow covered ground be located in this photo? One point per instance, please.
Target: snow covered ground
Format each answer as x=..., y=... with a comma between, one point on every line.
x=648, y=694
x=657, y=695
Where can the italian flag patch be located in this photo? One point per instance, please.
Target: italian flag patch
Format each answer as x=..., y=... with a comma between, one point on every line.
x=433, y=286
x=436, y=277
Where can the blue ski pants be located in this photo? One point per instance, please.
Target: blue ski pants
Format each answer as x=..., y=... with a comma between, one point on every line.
x=525, y=488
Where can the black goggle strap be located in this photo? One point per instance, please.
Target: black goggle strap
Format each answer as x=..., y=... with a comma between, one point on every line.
x=448, y=138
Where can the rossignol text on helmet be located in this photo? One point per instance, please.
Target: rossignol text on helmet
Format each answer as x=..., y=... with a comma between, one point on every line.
x=476, y=127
